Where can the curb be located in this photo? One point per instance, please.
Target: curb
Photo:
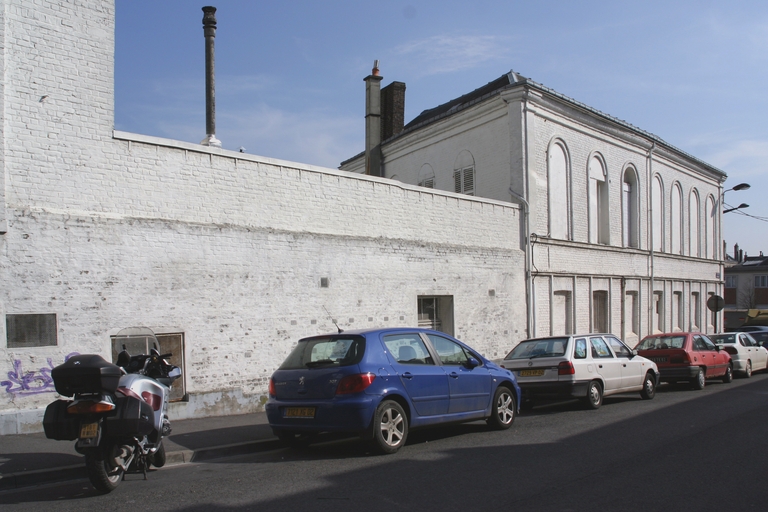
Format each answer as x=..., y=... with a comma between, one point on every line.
x=22, y=479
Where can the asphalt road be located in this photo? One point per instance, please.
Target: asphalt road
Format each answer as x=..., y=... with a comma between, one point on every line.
x=684, y=450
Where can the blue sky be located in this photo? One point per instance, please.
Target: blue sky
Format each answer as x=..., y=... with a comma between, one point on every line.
x=289, y=75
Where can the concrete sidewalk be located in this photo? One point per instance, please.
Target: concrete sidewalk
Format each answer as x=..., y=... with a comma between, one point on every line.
x=33, y=459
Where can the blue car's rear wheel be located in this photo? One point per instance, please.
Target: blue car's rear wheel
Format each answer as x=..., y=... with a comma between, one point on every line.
x=390, y=427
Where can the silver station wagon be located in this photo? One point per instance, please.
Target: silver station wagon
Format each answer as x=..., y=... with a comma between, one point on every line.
x=586, y=366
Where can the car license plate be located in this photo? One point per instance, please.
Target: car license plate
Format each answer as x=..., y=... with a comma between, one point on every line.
x=532, y=373
x=89, y=430
x=299, y=412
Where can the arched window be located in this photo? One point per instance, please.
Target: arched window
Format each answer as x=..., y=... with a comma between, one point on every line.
x=464, y=173
x=694, y=223
x=427, y=176
x=676, y=220
x=629, y=208
x=557, y=174
x=598, y=201
x=657, y=214
x=710, y=218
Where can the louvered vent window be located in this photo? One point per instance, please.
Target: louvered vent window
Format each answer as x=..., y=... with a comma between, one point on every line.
x=464, y=181
x=428, y=183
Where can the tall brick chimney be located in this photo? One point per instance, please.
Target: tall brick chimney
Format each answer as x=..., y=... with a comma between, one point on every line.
x=373, y=121
x=392, y=109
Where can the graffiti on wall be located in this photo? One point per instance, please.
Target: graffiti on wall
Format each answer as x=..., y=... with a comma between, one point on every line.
x=33, y=382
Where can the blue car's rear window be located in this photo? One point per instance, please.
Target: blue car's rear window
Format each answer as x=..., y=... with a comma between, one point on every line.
x=325, y=351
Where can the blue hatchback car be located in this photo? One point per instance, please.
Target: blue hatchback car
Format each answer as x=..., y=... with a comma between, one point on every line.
x=379, y=383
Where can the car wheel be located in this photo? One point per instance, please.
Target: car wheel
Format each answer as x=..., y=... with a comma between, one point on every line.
x=390, y=427
x=728, y=377
x=594, y=398
x=649, y=387
x=748, y=370
x=503, y=409
x=700, y=380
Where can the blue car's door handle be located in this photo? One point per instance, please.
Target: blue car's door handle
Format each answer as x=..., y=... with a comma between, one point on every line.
x=407, y=375
x=454, y=375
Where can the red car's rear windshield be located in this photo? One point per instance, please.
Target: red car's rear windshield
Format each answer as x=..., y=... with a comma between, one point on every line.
x=661, y=342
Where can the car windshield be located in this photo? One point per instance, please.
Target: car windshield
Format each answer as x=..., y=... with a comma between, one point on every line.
x=723, y=338
x=324, y=352
x=661, y=342
x=547, y=347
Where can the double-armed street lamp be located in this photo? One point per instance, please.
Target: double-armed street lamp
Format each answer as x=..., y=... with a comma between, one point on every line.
x=740, y=186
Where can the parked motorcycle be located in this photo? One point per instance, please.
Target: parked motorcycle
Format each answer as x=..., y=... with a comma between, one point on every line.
x=119, y=412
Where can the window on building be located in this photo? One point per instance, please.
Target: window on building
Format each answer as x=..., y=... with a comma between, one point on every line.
x=427, y=176
x=562, y=313
x=677, y=311
x=631, y=316
x=657, y=214
x=464, y=173
x=676, y=220
x=695, y=311
x=598, y=201
x=761, y=281
x=436, y=312
x=600, y=311
x=658, y=308
x=711, y=229
x=629, y=207
x=694, y=221
x=557, y=181
x=731, y=281
x=25, y=331
x=172, y=343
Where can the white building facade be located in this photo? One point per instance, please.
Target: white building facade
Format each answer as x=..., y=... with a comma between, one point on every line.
x=229, y=257
x=621, y=230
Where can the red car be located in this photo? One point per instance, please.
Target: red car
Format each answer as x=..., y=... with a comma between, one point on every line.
x=686, y=357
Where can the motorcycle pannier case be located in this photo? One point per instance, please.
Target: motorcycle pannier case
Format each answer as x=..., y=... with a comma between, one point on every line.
x=58, y=424
x=132, y=417
x=87, y=373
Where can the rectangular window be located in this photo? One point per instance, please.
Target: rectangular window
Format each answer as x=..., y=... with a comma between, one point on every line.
x=464, y=181
x=169, y=344
x=658, y=321
x=677, y=311
x=31, y=330
x=731, y=281
x=600, y=311
x=695, y=311
x=436, y=313
x=631, y=315
x=761, y=281
x=562, y=317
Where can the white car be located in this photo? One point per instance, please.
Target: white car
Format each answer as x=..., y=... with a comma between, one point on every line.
x=587, y=366
x=746, y=353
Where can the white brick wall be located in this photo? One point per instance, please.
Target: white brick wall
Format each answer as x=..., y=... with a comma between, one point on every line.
x=229, y=249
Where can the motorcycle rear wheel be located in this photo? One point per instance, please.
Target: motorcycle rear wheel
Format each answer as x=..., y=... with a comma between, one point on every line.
x=157, y=459
x=103, y=477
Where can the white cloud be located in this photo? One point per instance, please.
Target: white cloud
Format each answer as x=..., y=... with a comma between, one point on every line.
x=448, y=54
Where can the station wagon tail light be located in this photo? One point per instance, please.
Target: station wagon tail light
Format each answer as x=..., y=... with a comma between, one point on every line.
x=731, y=350
x=271, y=387
x=566, y=368
x=354, y=383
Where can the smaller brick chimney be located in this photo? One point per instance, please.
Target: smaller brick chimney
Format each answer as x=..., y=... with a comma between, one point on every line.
x=392, y=109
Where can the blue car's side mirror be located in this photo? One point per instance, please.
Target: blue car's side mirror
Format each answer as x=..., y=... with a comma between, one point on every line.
x=472, y=362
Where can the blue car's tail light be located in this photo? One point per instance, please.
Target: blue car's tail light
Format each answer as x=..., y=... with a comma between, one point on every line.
x=354, y=383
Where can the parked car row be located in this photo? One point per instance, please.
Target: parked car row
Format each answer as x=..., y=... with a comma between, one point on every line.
x=380, y=383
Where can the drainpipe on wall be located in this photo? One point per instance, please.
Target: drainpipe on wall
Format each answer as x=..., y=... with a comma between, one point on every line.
x=652, y=295
x=373, y=121
x=528, y=281
x=209, y=30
